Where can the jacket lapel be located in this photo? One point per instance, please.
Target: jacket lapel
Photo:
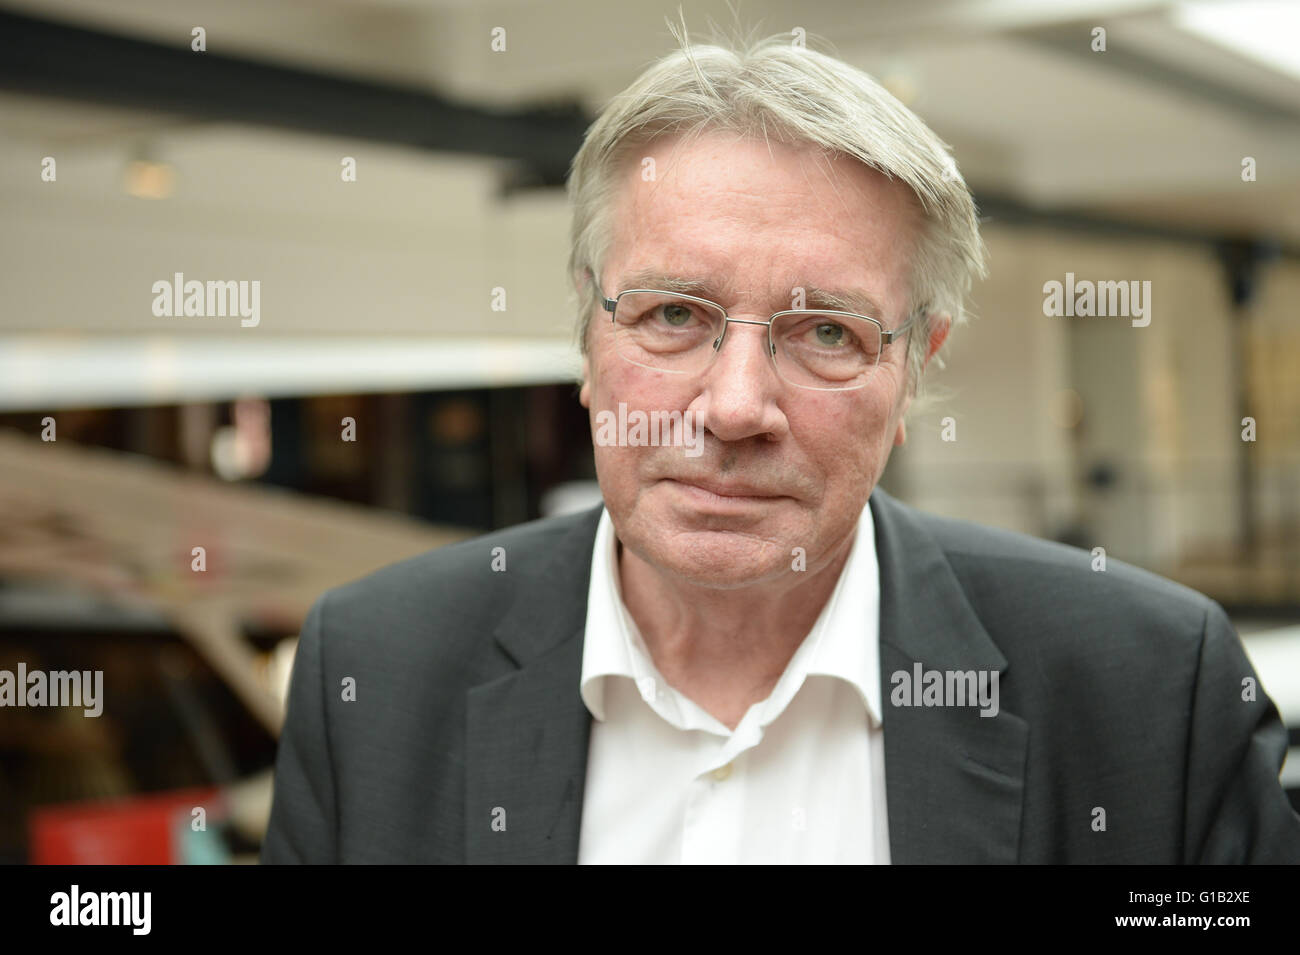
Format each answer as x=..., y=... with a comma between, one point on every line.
x=954, y=779
x=527, y=732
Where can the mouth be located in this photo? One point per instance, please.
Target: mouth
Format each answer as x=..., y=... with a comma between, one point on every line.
x=720, y=493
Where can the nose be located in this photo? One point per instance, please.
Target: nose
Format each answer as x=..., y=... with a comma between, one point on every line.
x=740, y=390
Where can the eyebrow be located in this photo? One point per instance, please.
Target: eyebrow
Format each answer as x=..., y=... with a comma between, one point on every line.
x=815, y=297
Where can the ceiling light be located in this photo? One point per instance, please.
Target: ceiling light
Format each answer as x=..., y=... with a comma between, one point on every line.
x=1263, y=30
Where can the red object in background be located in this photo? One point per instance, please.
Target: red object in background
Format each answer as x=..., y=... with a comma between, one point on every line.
x=121, y=832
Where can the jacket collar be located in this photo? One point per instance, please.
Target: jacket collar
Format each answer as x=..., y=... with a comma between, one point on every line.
x=954, y=779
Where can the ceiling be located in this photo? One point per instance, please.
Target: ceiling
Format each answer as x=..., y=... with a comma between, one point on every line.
x=1152, y=130
x=1012, y=84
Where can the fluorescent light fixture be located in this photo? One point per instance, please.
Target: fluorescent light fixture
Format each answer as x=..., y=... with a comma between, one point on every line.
x=1267, y=31
x=39, y=372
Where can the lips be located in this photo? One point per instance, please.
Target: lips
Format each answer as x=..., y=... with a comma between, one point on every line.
x=727, y=488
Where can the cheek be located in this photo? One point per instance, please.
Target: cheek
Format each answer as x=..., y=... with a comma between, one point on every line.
x=844, y=437
x=616, y=381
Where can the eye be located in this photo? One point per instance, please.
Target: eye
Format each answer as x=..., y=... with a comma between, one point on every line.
x=677, y=314
x=830, y=334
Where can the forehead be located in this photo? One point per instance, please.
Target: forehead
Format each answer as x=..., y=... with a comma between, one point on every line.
x=744, y=222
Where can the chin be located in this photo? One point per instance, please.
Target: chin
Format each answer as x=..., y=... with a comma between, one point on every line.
x=720, y=559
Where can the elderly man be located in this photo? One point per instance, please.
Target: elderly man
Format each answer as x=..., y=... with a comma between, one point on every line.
x=751, y=653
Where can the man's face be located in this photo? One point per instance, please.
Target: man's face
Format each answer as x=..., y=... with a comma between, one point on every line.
x=782, y=467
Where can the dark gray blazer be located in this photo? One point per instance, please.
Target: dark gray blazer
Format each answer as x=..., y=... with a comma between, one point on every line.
x=1118, y=689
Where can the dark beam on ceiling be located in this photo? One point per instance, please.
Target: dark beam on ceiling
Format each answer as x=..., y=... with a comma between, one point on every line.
x=55, y=59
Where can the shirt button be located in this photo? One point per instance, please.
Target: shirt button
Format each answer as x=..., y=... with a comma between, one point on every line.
x=721, y=773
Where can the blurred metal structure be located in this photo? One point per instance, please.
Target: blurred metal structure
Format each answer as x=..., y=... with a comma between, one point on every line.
x=126, y=528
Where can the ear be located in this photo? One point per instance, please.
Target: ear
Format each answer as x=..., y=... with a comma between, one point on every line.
x=581, y=278
x=940, y=324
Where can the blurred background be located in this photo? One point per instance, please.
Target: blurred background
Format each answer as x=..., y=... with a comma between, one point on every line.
x=391, y=173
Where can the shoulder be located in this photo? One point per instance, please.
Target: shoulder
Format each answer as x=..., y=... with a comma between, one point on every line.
x=451, y=595
x=1053, y=595
x=1011, y=561
x=449, y=570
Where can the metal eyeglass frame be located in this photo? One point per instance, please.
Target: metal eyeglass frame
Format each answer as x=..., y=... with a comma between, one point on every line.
x=887, y=335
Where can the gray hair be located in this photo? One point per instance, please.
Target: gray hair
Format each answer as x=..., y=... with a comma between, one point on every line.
x=803, y=97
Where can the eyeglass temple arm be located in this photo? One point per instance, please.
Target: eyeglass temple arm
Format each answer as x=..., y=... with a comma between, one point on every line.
x=608, y=304
x=887, y=337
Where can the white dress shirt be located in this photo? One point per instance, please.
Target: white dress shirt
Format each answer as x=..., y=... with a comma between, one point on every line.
x=800, y=780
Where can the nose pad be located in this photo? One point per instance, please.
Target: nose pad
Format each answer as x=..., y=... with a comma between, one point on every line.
x=722, y=334
x=717, y=342
x=769, y=346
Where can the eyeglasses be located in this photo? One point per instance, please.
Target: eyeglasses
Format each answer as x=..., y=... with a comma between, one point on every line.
x=681, y=334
